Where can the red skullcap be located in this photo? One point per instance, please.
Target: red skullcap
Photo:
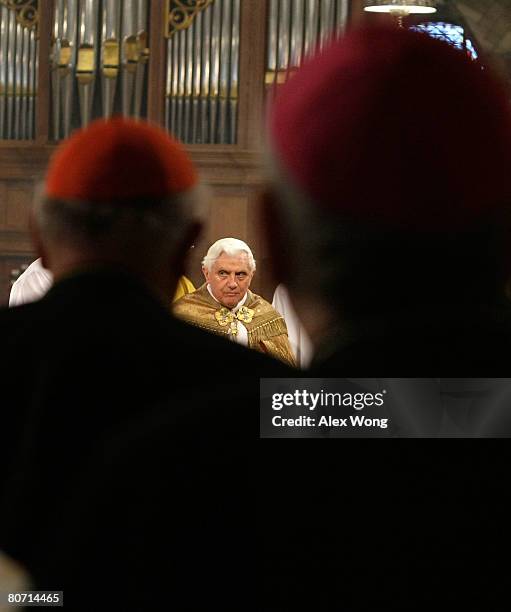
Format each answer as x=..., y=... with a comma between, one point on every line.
x=392, y=126
x=119, y=159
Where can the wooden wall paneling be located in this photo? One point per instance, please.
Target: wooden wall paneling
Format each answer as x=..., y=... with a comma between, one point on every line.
x=15, y=250
x=15, y=244
x=3, y=204
x=22, y=166
x=228, y=217
x=227, y=165
x=356, y=13
x=252, y=67
x=157, y=62
x=5, y=266
x=19, y=196
x=264, y=281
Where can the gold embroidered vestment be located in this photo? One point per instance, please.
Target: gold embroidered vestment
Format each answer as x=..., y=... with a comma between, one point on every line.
x=267, y=331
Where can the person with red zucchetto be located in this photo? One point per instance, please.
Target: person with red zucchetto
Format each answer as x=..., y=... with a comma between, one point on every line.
x=389, y=198
x=120, y=422
x=388, y=212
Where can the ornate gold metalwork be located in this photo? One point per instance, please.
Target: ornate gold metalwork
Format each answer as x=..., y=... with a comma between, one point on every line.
x=85, y=65
x=278, y=77
x=111, y=58
x=131, y=53
x=181, y=13
x=224, y=316
x=26, y=11
x=64, y=57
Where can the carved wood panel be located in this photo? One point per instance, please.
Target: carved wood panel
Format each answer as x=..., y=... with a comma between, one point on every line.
x=18, y=199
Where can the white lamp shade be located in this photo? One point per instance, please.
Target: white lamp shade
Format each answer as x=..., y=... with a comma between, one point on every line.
x=400, y=6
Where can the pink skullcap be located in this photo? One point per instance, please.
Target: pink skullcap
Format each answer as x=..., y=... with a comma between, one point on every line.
x=392, y=126
x=119, y=159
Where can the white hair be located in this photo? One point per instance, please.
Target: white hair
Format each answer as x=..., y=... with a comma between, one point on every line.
x=231, y=247
x=159, y=223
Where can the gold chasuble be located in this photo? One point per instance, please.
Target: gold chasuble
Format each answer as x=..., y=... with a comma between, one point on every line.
x=266, y=328
x=184, y=286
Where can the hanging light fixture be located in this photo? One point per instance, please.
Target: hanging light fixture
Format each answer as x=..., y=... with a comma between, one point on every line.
x=402, y=7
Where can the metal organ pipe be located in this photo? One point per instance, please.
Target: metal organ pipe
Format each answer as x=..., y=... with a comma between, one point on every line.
x=297, y=29
x=203, y=74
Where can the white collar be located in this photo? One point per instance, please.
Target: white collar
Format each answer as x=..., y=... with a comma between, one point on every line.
x=238, y=305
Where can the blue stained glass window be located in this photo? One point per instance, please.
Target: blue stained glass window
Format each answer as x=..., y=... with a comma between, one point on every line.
x=449, y=32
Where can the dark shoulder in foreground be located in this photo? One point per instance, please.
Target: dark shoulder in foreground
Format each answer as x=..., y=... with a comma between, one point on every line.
x=115, y=316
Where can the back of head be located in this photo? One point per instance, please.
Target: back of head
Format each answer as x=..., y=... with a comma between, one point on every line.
x=118, y=191
x=392, y=152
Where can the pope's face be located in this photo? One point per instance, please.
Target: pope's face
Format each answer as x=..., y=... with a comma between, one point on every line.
x=229, y=278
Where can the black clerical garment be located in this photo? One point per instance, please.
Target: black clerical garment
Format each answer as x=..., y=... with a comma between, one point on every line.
x=383, y=523
x=96, y=354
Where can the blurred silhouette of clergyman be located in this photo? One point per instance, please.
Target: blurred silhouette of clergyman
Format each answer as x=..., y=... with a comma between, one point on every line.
x=388, y=209
x=389, y=205
x=100, y=350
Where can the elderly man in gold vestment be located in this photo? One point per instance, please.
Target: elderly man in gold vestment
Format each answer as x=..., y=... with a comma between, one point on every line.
x=225, y=305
